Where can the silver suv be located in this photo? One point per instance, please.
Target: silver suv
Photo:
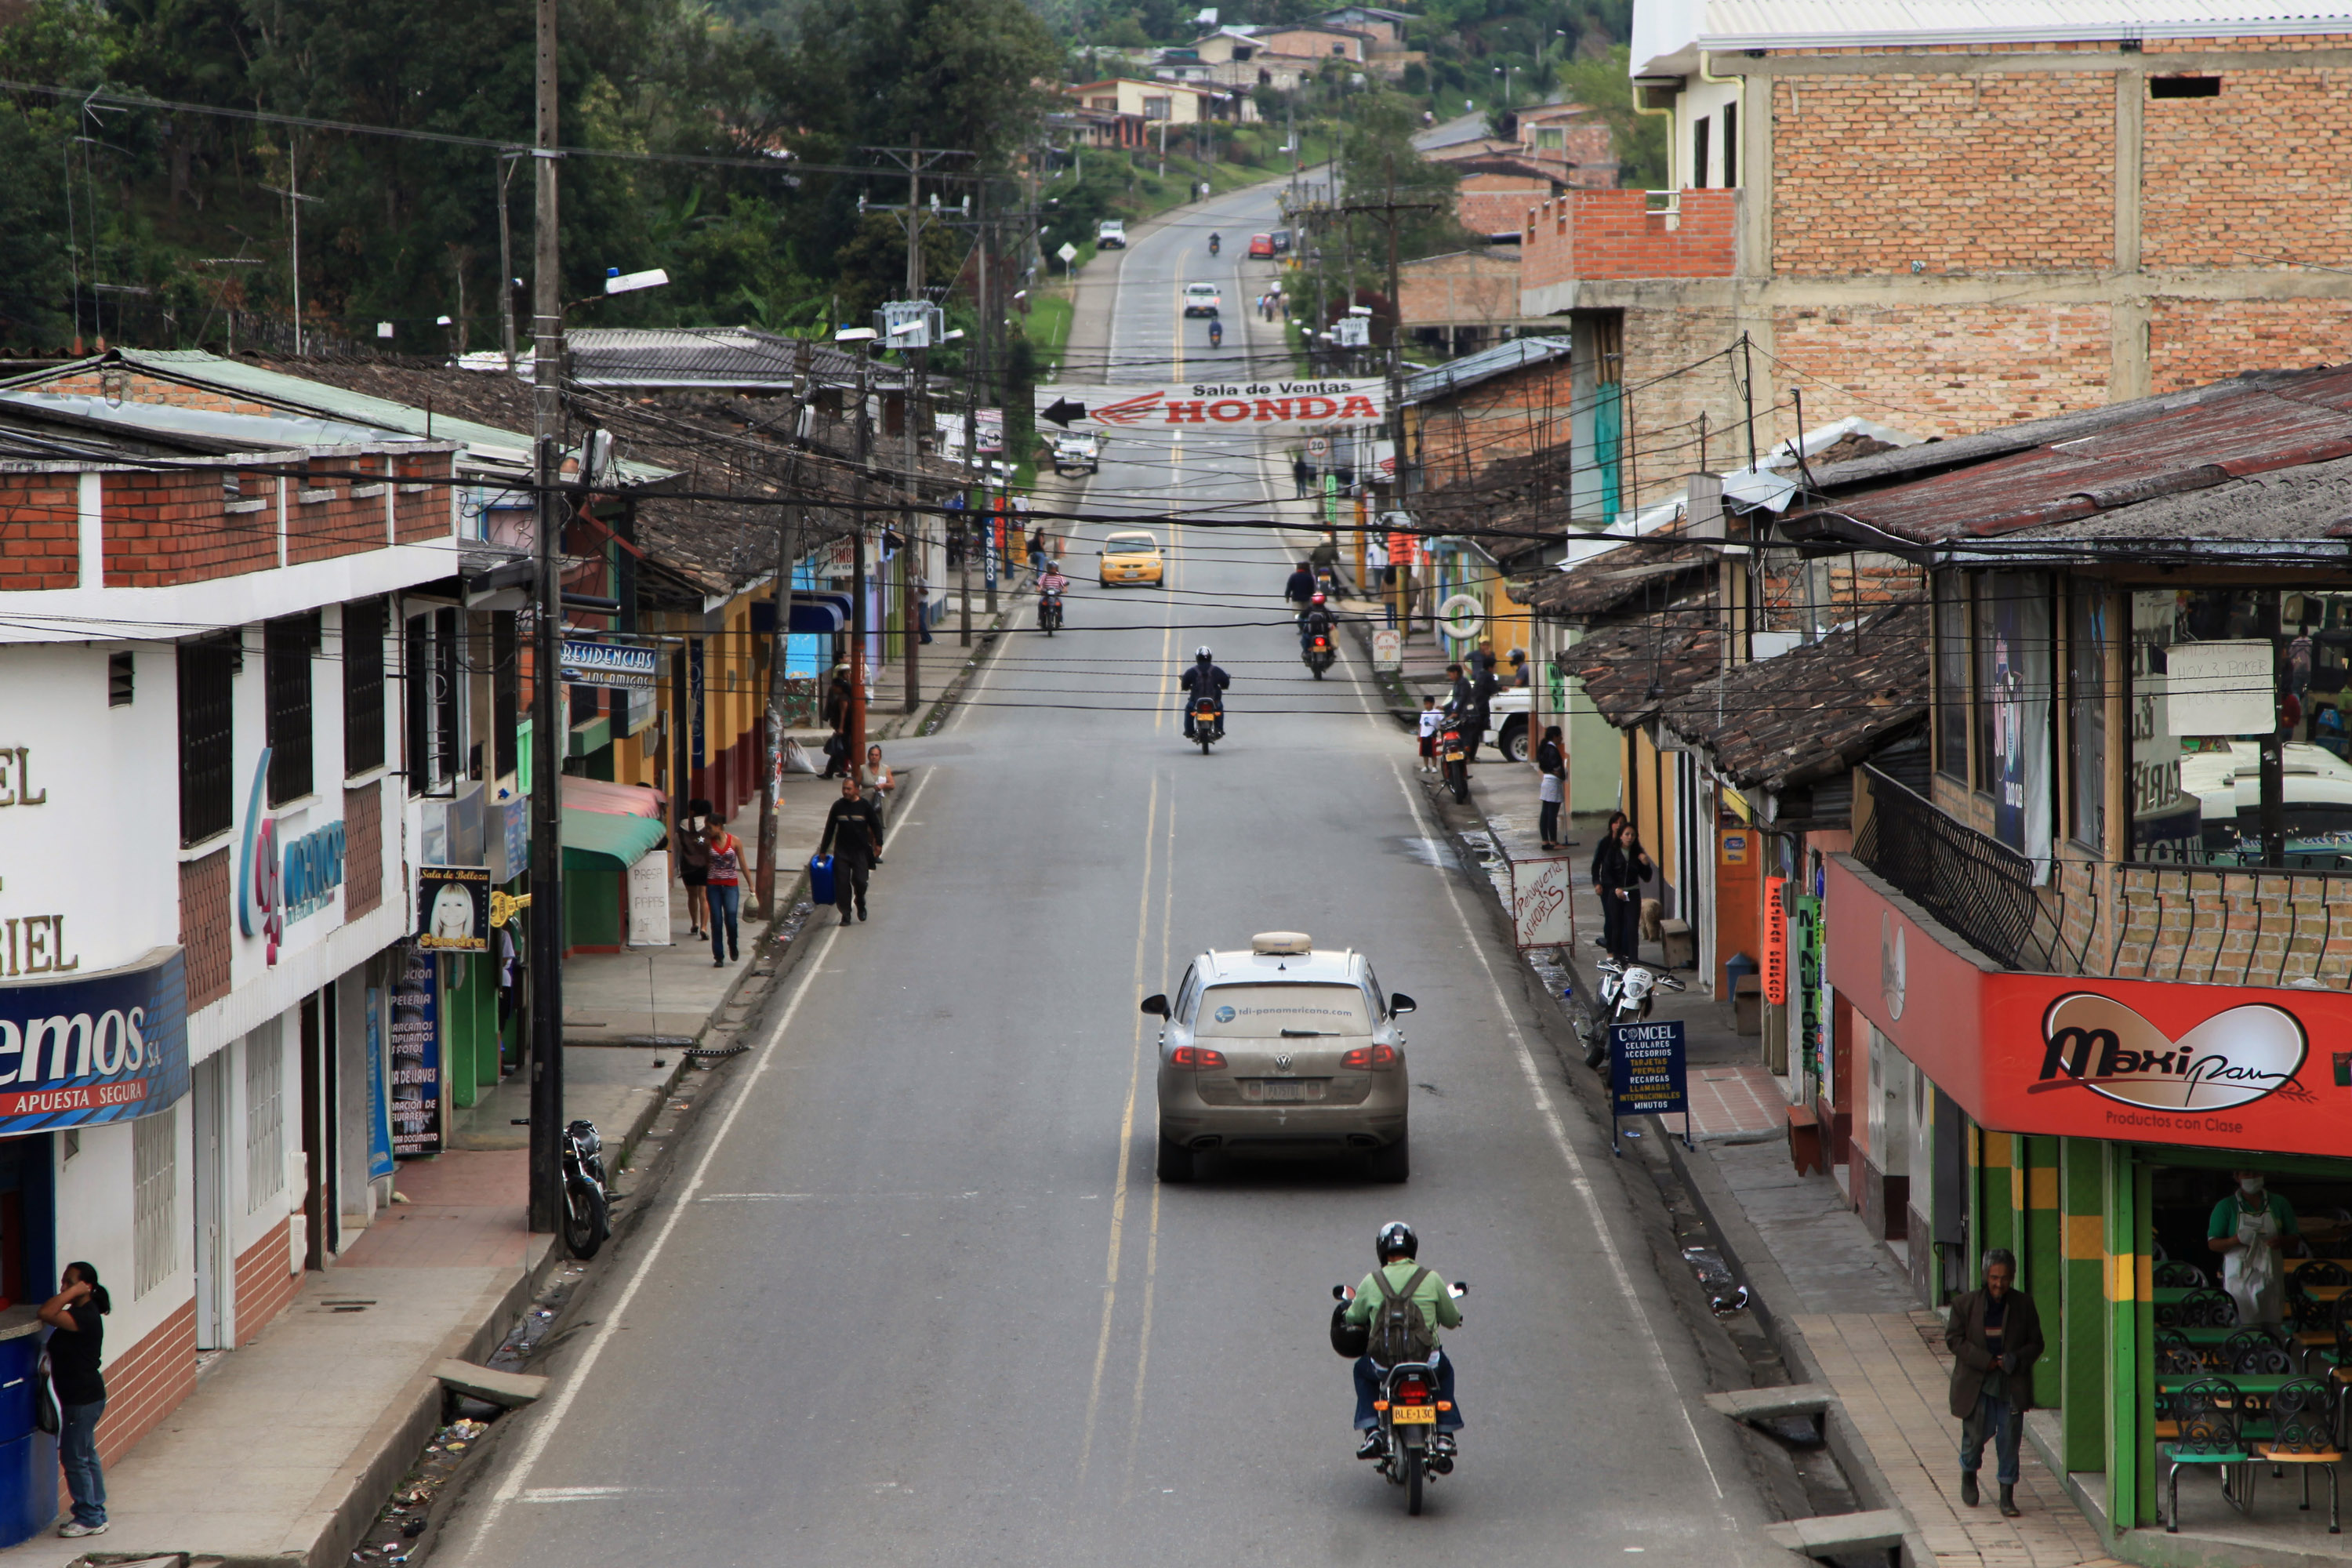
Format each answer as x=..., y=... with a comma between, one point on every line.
x=1284, y=1050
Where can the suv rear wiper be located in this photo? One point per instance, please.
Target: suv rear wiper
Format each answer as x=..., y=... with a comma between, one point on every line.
x=1308, y=1034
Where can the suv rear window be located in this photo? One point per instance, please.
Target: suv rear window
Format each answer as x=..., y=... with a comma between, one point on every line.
x=1264, y=1012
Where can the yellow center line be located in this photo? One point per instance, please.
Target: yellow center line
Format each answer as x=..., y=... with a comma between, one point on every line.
x=1126, y=1135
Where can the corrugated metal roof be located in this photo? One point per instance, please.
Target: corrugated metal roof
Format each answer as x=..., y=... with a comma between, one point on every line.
x=1485, y=365
x=1835, y=24
x=2261, y=457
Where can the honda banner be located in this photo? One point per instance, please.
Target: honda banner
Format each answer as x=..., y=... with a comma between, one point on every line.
x=1264, y=407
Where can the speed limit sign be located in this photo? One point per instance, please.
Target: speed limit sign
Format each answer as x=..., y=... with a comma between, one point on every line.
x=1460, y=617
x=1319, y=447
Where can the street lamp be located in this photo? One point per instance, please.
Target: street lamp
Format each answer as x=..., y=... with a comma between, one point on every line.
x=1505, y=72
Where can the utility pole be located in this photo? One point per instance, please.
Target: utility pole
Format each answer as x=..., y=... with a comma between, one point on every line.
x=972, y=429
x=547, y=658
x=858, y=566
x=504, y=169
x=788, y=537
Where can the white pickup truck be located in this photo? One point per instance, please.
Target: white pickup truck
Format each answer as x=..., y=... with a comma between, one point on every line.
x=1111, y=234
x=1079, y=450
x=1508, y=710
x=1202, y=298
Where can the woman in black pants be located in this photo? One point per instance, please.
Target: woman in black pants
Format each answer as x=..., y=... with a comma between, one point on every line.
x=1620, y=868
x=1552, y=761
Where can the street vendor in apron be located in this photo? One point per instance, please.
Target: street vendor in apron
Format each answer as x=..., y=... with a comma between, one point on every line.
x=2250, y=1229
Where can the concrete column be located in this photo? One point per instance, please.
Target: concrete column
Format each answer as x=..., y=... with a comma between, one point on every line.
x=2127, y=321
x=2131, y=1396
x=2041, y=1256
x=2077, y=1328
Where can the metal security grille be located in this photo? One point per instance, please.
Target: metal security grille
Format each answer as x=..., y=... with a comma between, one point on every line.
x=286, y=645
x=265, y=1114
x=154, y=1186
x=1980, y=889
x=363, y=628
x=207, y=675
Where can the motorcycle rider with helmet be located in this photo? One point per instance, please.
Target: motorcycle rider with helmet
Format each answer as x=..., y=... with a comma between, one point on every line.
x=1204, y=680
x=1316, y=619
x=1396, y=1246
x=1051, y=584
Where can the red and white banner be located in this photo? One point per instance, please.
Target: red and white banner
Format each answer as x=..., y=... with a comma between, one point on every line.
x=1262, y=407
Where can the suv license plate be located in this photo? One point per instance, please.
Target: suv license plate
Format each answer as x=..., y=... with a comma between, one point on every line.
x=1413, y=1415
x=1287, y=1088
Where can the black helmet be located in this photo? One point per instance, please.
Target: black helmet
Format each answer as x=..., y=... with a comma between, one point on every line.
x=1396, y=1240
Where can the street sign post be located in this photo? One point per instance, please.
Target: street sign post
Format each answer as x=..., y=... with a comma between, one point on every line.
x=1387, y=649
x=1647, y=1075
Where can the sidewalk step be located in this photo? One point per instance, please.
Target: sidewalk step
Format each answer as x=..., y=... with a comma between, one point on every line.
x=510, y=1389
x=1770, y=1404
x=1830, y=1534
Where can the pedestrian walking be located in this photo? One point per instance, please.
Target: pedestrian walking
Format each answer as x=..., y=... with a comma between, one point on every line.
x=726, y=892
x=919, y=594
x=694, y=864
x=1551, y=763
x=1995, y=1336
x=853, y=836
x=1302, y=477
x=1429, y=720
x=1621, y=869
x=837, y=758
x=1376, y=565
x=876, y=783
x=1600, y=850
x=75, y=1315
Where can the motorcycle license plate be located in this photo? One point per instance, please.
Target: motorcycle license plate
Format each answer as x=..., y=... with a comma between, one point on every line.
x=1413, y=1415
x=1452, y=756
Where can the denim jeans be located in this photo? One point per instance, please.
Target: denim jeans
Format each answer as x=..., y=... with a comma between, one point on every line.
x=725, y=903
x=1368, y=1388
x=78, y=1451
x=2001, y=1421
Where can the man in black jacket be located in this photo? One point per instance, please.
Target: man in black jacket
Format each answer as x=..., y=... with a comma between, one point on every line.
x=1995, y=1337
x=858, y=827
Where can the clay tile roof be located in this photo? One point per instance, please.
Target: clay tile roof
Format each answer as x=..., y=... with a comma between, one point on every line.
x=1655, y=570
x=1631, y=671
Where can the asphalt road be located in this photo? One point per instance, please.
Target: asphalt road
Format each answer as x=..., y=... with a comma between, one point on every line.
x=911, y=1294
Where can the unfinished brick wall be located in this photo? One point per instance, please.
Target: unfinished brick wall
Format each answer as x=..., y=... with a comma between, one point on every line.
x=1496, y=203
x=41, y=532
x=347, y=518
x=1665, y=441
x=1508, y=417
x=2192, y=343
x=168, y=527
x=1946, y=370
x=1616, y=234
x=421, y=515
x=1980, y=173
x=2251, y=177
x=206, y=925
x=134, y=388
x=1470, y=287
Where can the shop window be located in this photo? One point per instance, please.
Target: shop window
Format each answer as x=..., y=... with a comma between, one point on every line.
x=2187, y=788
x=1730, y=146
x=154, y=1187
x=265, y=1115
x=207, y=671
x=2086, y=715
x=432, y=673
x=2013, y=682
x=364, y=628
x=506, y=693
x=1698, y=153
x=1952, y=677
x=286, y=645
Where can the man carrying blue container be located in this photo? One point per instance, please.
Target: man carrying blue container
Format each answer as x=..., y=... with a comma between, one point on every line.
x=853, y=840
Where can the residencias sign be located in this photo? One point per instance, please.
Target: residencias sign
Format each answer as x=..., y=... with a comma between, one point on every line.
x=98, y=1048
x=1262, y=408
x=2144, y=1061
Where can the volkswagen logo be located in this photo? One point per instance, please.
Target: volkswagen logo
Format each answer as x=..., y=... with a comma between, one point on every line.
x=1282, y=1064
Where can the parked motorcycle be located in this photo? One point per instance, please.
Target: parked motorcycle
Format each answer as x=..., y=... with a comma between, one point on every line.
x=1627, y=991
x=1455, y=755
x=587, y=1212
x=1049, y=611
x=1318, y=653
x=1407, y=1412
x=1208, y=721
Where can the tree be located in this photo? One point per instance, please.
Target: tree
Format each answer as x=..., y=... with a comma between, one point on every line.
x=1603, y=83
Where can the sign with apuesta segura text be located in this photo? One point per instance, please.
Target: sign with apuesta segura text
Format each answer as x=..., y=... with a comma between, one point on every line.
x=103, y=1047
x=2227, y=1067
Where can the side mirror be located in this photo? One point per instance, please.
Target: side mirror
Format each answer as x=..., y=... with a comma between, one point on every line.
x=1157, y=1006
x=1399, y=1004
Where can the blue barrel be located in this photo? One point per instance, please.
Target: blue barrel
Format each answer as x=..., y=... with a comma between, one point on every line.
x=820, y=879
x=29, y=1456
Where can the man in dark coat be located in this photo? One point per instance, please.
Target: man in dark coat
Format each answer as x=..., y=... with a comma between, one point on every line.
x=1995, y=1337
x=852, y=835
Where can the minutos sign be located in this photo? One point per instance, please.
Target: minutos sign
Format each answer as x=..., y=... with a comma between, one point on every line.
x=2146, y=1061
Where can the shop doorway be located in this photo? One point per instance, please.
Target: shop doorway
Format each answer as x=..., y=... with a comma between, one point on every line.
x=322, y=1217
x=28, y=1263
x=209, y=1110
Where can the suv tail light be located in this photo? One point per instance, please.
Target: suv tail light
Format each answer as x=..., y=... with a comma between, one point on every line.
x=1198, y=1057
x=1367, y=1056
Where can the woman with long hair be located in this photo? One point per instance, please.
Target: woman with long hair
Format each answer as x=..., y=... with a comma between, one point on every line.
x=1552, y=761
x=75, y=1314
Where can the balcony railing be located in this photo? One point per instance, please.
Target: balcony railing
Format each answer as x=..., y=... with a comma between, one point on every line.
x=2212, y=925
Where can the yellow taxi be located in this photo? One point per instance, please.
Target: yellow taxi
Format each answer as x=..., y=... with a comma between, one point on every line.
x=1129, y=558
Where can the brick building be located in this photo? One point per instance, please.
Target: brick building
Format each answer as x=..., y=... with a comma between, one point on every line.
x=1948, y=231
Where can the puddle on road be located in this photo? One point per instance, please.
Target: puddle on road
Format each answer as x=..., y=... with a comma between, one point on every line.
x=1430, y=851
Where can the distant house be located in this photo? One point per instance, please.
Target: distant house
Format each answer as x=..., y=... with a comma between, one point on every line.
x=1153, y=102
x=1382, y=28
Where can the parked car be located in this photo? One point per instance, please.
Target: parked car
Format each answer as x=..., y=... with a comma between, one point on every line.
x=1261, y=248
x=1202, y=298
x=1281, y=238
x=1111, y=234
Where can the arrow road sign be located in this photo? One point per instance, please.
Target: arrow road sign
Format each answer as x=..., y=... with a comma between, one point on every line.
x=1062, y=411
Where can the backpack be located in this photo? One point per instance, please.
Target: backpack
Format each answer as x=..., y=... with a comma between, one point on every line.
x=1400, y=1333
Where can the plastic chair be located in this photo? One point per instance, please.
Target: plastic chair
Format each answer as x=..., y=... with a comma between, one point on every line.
x=2175, y=1356
x=2303, y=1432
x=2206, y=1414
x=2256, y=1352
x=2205, y=1309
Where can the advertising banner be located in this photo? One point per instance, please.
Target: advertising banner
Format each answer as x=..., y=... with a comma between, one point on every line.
x=379, y=1103
x=417, y=1055
x=1272, y=408
x=2223, y=1066
x=1647, y=1073
x=93, y=1049
x=453, y=909
x=1539, y=903
x=1775, y=942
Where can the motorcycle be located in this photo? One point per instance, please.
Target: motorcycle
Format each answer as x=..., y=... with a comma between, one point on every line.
x=1216, y=335
x=1627, y=991
x=1407, y=1412
x=1212, y=244
x=1318, y=653
x=587, y=1212
x=1049, y=611
x=1456, y=757
x=1208, y=721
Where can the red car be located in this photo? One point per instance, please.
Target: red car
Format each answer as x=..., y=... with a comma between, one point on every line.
x=1261, y=248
